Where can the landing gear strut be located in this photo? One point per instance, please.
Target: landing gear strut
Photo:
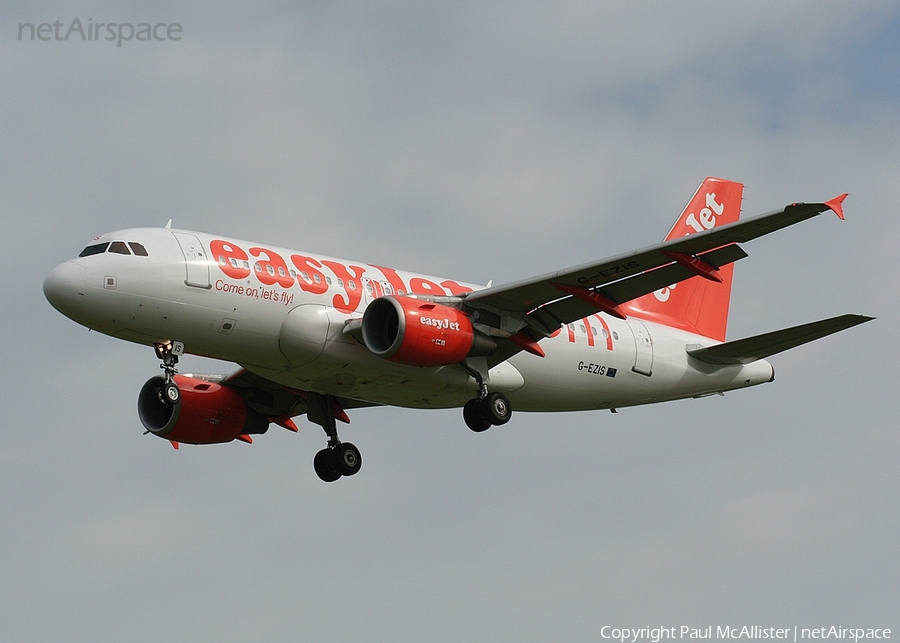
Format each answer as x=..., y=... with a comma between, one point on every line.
x=338, y=458
x=169, y=354
x=486, y=410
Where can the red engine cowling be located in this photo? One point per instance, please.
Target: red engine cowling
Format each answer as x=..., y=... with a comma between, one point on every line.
x=207, y=413
x=420, y=333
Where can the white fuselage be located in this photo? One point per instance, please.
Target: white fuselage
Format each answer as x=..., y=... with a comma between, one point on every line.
x=281, y=314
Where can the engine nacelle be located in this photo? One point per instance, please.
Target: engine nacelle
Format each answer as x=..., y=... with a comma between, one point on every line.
x=421, y=333
x=207, y=413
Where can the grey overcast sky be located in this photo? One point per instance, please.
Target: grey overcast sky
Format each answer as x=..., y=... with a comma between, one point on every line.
x=480, y=141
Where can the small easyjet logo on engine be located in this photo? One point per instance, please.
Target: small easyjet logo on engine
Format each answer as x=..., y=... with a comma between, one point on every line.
x=445, y=324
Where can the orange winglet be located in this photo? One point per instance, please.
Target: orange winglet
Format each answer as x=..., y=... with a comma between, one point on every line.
x=527, y=343
x=837, y=205
x=175, y=444
x=594, y=298
x=245, y=438
x=287, y=423
x=695, y=265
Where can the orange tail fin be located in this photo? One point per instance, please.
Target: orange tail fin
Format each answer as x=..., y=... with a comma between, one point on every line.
x=696, y=305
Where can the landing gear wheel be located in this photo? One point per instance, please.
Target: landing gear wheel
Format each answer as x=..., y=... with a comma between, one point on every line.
x=339, y=458
x=496, y=408
x=326, y=465
x=170, y=393
x=473, y=416
x=347, y=458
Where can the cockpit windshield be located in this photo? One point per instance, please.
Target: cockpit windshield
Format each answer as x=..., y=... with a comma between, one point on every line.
x=116, y=247
x=95, y=249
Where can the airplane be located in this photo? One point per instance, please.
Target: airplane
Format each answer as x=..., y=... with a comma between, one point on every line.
x=319, y=336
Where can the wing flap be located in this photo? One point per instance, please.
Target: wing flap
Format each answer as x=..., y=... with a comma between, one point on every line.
x=751, y=349
x=569, y=309
x=628, y=289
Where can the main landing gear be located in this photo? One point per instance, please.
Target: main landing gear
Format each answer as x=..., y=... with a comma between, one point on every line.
x=338, y=458
x=486, y=410
x=169, y=354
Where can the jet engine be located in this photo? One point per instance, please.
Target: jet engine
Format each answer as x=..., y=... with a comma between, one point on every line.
x=207, y=413
x=421, y=333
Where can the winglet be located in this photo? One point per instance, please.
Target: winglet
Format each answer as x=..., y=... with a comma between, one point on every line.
x=836, y=205
x=245, y=438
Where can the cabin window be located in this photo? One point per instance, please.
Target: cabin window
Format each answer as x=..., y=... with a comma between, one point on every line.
x=96, y=249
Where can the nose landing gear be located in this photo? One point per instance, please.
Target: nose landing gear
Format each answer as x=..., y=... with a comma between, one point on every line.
x=338, y=458
x=169, y=354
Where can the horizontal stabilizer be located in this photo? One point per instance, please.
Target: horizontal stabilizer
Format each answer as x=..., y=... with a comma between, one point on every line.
x=750, y=349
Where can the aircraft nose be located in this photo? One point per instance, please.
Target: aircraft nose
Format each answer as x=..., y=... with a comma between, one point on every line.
x=64, y=287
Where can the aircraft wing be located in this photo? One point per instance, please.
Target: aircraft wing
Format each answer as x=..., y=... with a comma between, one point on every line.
x=545, y=302
x=274, y=400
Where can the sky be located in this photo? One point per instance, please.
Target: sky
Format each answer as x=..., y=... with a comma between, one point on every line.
x=478, y=141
